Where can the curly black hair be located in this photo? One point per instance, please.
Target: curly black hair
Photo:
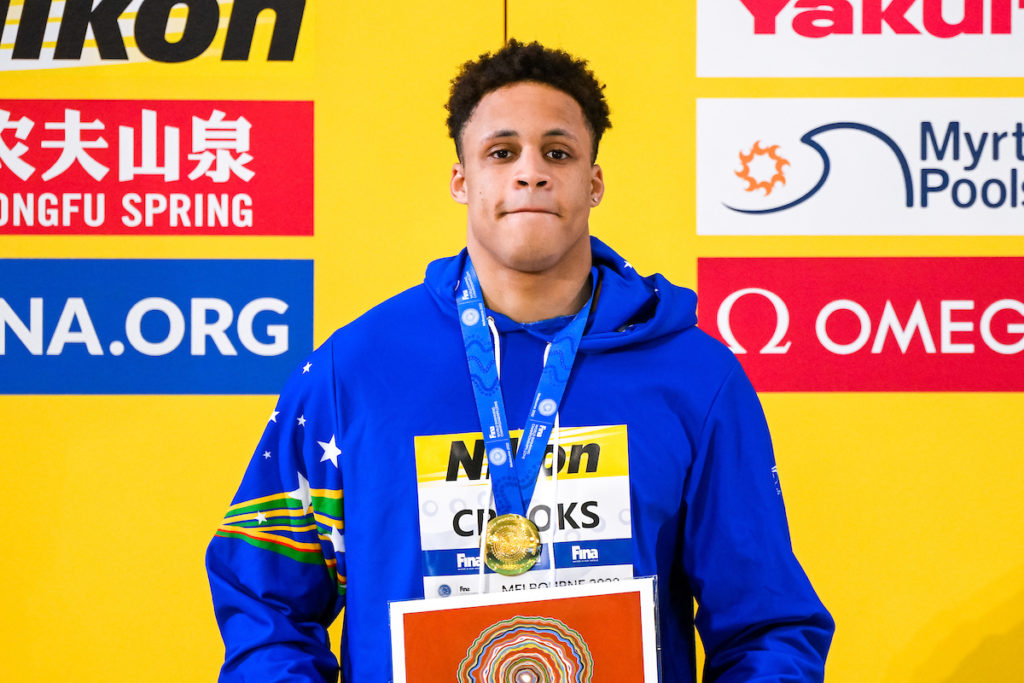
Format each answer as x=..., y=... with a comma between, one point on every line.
x=518, y=62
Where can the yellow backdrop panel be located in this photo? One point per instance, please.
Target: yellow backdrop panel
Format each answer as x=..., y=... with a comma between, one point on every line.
x=905, y=508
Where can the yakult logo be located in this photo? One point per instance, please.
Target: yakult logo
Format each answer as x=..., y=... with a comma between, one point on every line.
x=128, y=326
x=906, y=167
x=858, y=37
x=868, y=17
x=912, y=324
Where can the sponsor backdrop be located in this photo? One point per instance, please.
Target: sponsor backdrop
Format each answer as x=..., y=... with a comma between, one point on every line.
x=194, y=194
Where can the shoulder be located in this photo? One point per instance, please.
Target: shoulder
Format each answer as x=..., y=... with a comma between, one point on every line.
x=403, y=325
x=699, y=346
x=698, y=361
x=395, y=313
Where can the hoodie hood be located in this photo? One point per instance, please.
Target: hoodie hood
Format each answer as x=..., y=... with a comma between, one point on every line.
x=629, y=308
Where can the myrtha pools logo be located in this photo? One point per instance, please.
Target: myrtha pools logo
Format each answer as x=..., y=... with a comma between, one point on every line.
x=810, y=140
x=848, y=167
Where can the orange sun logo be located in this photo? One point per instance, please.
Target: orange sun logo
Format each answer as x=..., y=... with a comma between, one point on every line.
x=752, y=182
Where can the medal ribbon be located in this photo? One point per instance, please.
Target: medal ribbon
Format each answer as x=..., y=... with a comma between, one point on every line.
x=513, y=477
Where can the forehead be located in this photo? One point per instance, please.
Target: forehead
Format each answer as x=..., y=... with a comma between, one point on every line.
x=526, y=108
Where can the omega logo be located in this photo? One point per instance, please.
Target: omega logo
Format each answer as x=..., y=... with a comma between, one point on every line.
x=781, y=321
x=888, y=324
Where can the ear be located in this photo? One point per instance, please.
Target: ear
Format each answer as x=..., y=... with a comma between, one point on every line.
x=596, y=185
x=457, y=186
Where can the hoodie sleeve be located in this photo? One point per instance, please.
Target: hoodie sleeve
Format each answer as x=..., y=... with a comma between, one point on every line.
x=758, y=616
x=277, y=562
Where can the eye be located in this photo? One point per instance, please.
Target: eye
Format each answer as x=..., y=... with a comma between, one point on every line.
x=500, y=154
x=558, y=154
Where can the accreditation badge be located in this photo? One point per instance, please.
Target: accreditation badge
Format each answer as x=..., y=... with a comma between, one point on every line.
x=585, y=512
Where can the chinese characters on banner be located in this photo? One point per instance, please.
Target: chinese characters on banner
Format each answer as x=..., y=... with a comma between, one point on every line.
x=156, y=167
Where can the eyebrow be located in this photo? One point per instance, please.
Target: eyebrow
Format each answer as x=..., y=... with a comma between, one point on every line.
x=509, y=133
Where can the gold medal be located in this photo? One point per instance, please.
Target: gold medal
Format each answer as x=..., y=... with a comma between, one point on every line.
x=512, y=544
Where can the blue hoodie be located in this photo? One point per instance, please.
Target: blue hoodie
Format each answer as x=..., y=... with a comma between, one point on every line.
x=327, y=517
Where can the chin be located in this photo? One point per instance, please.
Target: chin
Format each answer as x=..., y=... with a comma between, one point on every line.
x=536, y=256
x=531, y=263
x=529, y=246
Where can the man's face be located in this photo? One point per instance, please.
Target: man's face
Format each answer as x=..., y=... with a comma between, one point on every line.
x=527, y=179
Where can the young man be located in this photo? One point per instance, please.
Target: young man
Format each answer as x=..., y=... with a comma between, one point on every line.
x=535, y=326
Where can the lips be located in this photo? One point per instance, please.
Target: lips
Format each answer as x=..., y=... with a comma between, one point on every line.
x=531, y=210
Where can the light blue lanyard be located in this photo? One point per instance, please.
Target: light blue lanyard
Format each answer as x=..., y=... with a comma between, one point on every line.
x=513, y=477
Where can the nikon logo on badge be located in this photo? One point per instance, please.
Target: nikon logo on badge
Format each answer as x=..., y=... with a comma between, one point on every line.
x=152, y=326
x=472, y=464
x=41, y=33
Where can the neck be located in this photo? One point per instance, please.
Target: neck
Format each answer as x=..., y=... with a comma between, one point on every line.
x=531, y=296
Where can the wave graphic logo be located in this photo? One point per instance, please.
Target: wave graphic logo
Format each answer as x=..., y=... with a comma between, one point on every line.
x=860, y=166
x=809, y=139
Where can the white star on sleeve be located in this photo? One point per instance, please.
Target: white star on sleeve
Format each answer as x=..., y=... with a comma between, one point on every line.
x=302, y=420
x=302, y=493
x=261, y=516
x=338, y=540
x=331, y=451
x=266, y=454
x=306, y=367
x=273, y=416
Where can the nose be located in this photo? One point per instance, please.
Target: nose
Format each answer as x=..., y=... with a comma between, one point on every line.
x=531, y=171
